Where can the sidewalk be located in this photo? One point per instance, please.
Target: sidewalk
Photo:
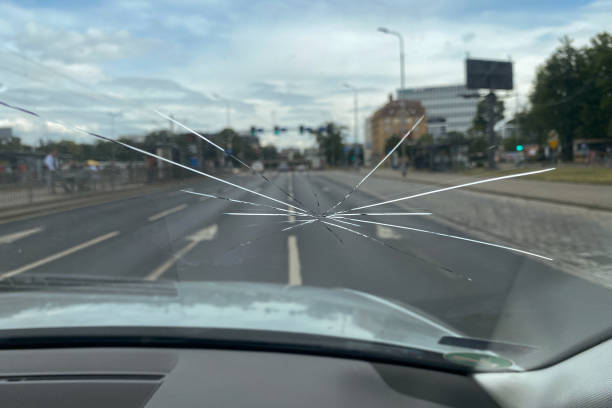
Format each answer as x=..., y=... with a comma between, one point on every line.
x=18, y=206
x=578, y=238
x=591, y=196
x=18, y=198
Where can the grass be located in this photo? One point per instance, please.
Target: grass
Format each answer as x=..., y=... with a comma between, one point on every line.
x=566, y=173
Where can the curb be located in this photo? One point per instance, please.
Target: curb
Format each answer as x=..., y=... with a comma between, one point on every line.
x=514, y=195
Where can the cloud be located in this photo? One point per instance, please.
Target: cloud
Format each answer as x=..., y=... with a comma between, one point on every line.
x=275, y=92
x=91, y=45
x=263, y=57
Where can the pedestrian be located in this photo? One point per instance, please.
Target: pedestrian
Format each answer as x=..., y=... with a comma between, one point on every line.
x=52, y=165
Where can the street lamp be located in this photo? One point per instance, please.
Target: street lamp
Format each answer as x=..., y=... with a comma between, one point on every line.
x=227, y=109
x=355, y=108
x=401, y=46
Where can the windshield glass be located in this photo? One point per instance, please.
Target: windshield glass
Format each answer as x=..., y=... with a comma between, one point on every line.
x=434, y=176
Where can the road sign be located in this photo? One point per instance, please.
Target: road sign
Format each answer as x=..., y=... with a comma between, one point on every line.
x=488, y=74
x=553, y=139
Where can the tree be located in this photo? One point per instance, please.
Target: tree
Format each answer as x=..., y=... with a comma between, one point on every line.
x=454, y=137
x=391, y=142
x=329, y=138
x=481, y=118
x=269, y=152
x=13, y=144
x=573, y=92
x=426, y=139
x=558, y=87
x=596, y=110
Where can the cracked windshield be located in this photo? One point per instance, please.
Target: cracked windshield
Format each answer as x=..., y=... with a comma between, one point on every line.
x=434, y=176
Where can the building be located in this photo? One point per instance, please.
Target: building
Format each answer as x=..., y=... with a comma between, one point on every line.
x=394, y=119
x=448, y=102
x=436, y=127
x=367, y=143
x=290, y=153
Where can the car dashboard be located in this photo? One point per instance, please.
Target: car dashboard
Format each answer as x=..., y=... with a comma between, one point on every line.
x=187, y=377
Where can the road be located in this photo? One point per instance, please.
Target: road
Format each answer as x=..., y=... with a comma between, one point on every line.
x=481, y=290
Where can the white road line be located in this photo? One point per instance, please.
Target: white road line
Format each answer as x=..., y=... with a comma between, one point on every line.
x=295, y=277
x=206, y=234
x=167, y=212
x=59, y=255
x=10, y=238
x=386, y=233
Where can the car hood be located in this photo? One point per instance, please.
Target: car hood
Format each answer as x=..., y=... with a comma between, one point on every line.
x=59, y=303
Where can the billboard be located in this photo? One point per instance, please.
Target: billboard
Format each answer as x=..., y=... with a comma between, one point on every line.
x=488, y=74
x=6, y=133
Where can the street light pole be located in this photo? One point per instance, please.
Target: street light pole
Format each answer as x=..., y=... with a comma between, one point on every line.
x=401, y=49
x=355, y=110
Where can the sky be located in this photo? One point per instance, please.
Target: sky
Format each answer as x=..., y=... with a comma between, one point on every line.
x=107, y=65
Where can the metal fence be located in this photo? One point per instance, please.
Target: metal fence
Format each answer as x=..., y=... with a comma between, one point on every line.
x=29, y=182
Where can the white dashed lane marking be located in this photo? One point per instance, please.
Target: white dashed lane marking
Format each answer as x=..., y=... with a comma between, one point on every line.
x=10, y=238
x=59, y=255
x=295, y=276
x=167, y=212
x=387, y=233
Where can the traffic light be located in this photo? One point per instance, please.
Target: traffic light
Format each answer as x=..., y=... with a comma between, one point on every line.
x=276, y=130
x=330, y=128
x=519, y=148
x=253, y=131
x=302, y=129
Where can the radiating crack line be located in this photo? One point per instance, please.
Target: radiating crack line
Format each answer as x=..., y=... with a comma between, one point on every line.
x=439, y=190
x=229, y=154
x=153, y=155
x=233, y=200
x=356, y=187
x=268, y=214
x=379, y=214
x=344, y=222
x=250, y=241
x=455, y=237
x=299, y=225
x=411, y=254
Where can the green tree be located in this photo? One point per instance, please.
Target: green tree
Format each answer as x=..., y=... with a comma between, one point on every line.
x=426, y=139
x=391, y=142
x=573, y=92
x=481, y=118
x=454, y=137
x=559, y=86
x=269, y=152
x=13, y=144
x=596, y=108
x=330, y=142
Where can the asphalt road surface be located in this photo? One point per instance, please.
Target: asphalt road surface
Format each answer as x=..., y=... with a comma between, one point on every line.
x=480, y=290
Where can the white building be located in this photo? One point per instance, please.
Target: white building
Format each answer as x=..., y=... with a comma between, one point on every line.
x=445, y=102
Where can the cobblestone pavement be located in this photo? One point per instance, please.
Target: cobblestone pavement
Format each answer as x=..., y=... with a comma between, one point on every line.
x=580, y=240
